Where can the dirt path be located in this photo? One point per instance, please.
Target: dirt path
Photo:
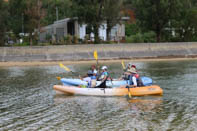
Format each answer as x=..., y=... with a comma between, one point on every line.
x=40, y=63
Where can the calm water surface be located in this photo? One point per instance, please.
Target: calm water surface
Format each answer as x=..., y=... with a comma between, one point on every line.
x=27, y=101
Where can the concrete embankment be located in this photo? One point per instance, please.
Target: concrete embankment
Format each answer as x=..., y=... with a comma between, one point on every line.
x=105, y=51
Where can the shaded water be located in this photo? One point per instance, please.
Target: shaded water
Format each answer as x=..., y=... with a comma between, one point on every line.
x=27, y=101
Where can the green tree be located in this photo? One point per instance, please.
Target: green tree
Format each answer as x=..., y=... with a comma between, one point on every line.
x=185, y=24
x=3, y=21
x=61, y=7
x=18, y=19
x=35, y=14
x=154, y=15
x=91, y=13
x=112, y=14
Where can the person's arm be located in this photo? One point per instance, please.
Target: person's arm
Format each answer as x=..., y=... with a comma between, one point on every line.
x=127, y=73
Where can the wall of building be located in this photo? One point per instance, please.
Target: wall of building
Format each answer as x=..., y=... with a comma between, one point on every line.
x=60, y=29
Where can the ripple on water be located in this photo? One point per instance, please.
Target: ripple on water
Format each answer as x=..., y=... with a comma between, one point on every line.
x=27, y=101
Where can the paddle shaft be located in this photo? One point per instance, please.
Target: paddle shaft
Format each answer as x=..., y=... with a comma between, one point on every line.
x=129, y=92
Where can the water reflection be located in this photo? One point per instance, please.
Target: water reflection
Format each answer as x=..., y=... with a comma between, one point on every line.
x=145, y=104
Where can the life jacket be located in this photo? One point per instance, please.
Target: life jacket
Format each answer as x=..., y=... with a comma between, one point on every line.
x=138, y=79
x=130, y=82
x=92, y=82
x=93, y=77
x=137, y=76
x=90, y=73
x=103, y=84
x=103, y=75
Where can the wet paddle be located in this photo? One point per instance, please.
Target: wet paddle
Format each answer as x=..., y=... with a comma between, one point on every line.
x=129, y=91
x=123, y=65
x=96, y=56
x=58, y=78
x=66, y=68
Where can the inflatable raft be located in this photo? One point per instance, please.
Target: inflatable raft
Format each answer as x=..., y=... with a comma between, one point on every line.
x=121, y=91
x=115, y=83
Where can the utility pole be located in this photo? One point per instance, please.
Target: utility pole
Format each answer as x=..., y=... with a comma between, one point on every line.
x=22, y=23
x=57, y=17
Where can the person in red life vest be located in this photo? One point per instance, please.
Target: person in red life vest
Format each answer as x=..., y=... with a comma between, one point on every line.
x=127, y=73
x=134, y=78
x=137, y=75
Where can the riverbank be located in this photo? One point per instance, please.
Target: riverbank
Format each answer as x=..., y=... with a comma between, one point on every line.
x=51, y=63
x=51, y=55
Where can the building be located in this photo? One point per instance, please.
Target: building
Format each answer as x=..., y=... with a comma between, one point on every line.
x=71, y=26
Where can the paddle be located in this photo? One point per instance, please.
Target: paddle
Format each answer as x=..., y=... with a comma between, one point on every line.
x=123, y=65
x=129, y=91
x=96, y=57
x=66, y=68
x=58, y=78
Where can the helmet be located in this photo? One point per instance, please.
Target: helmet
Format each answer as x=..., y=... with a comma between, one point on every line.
x=104, y=68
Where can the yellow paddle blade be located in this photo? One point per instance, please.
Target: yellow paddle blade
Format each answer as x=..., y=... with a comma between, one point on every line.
x=58, y=78
x=123, y=65
x=63, y=66
x=129, y=94
x=95, y=55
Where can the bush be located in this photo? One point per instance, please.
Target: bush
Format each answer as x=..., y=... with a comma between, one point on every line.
x=48, y=37
x=26, y=39
x=131, y=29
x=22, y=44
x=68, y=39
x=86, y=39
x=138, y=38
x=62, y=41
x=142, y=38
x=76, y=39
x=149, y=37
x=194, y=39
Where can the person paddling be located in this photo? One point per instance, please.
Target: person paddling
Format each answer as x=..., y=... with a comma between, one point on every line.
x=134, y=78
x=103, y=77
x=91, y=76
x=126, y=74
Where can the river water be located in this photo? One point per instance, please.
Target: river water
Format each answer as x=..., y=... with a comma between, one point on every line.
x=28, y=102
